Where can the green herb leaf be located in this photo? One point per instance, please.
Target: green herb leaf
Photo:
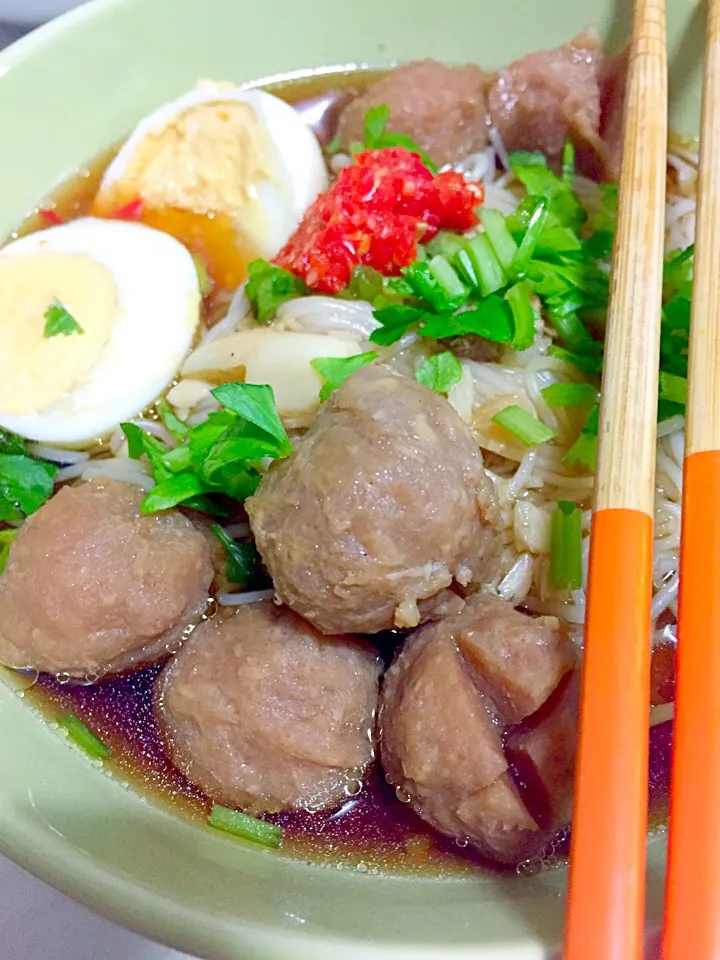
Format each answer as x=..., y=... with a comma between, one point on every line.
x=25, y=485
x=59, y=322
x=11, y=443
x=6, y=541
x=440, y=372
x=243, y=564
x=83, y=736
x=396, y=320
x=142, y=444
x=527, y=158
x=246, y=827
x=539, y=181
x=673, y=388
x=570, y=395
x=255, y=403
x=335, y=370
x=526, y=250
x=377, y=138
x=169, y=493
x=523, y=425
x=172, y=422
x=566, y=546
x=268, y=287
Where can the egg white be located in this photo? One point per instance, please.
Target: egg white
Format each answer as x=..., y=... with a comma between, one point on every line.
x=159, y=302
x=299, y=173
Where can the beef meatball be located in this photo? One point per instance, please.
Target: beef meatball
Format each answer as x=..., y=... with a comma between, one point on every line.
x=444, y=704
x=93, y=587
x=442, y=108
x=540, y=101
x=383, y=504
x=261, y=711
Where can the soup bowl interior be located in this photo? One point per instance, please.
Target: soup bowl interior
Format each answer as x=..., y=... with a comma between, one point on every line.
x=66, y=93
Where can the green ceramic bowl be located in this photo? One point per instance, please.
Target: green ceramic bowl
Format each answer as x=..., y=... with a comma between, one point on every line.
x=67, y=92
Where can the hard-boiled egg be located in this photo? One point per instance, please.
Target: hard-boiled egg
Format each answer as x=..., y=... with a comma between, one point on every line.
x=229, y=172
x=96, y=318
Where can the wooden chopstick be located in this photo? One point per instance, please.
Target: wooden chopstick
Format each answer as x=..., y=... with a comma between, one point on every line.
x=692, y=920
x=607, y=861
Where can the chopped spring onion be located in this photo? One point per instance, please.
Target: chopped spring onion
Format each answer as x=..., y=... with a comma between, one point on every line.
x=440, y=372
x=6, y=540
x=586, y=364
x=204, y=280
x=436, y=282
x=583, y=453
x=244, y=826
x=499, y=236
x=335, y=370
x=446, y=243
x=566, y=546
x=83, y=736
x=575, y=335
x=59, y=321
x=568, y=163
x=673, y=388
x=570, y=395
x=523, y=425
x=492, y=319
x=529, y=241
x=518, y=296
x=479, y=256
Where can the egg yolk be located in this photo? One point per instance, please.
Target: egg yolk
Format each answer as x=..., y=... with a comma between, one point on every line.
x=200, y=178
x=39, y=369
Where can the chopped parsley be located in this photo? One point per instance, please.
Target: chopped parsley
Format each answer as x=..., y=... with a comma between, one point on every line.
x=59, y=321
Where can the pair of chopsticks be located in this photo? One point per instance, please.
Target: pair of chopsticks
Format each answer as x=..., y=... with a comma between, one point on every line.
x=607, y=867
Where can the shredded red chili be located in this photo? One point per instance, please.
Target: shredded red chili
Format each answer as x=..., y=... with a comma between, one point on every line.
x=374, y=214
x=51, y=216
x=130, y=211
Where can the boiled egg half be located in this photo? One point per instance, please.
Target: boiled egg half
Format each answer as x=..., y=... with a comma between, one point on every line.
x=96, y=318
x=229, y=172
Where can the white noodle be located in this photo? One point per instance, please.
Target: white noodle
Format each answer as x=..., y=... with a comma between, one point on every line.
x=57, y=454
x=238, y=599
x=237, y=311
x=237, y=530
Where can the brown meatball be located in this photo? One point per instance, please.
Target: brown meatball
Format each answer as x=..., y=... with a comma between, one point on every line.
x=93, y=587
x=442, y=108
x=383, y=504
x=540, y=101
x=261, y=711
x=442, y=709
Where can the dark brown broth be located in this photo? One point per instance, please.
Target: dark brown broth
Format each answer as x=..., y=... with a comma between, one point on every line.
x=374, y=830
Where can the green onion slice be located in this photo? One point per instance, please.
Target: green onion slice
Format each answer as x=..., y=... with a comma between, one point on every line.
x=570, y=395
x=246, y=827
x=523, y=425
x=83, y=736
x=566, y=546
